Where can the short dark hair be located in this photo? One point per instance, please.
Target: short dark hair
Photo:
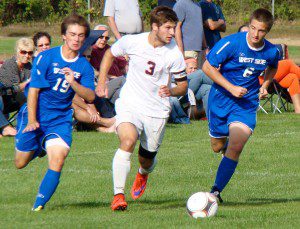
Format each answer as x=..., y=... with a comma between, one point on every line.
x=263, y=15
x=38, y=35
x=162, y=14
x=75, y=19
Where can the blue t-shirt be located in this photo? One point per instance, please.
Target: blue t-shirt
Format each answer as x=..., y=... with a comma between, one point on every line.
x=241, y=64
x=56, y=94
x=190, y=15
x=211, y=11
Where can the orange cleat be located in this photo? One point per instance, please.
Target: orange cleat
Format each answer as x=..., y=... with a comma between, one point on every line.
x=139, y=186
x=119, y=202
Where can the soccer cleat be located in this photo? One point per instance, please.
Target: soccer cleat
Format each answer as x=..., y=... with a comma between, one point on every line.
x=37, y=209
x=139, y=185
x=215, y=191
x=119, y=203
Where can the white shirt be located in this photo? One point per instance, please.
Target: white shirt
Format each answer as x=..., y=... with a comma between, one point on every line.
x=126, y=13
x=149, y=68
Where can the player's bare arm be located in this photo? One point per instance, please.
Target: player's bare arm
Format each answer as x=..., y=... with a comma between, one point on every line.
x=32, y=100
x=218, y=78
x=101, y=89
x=270, y=73
x=87, y=94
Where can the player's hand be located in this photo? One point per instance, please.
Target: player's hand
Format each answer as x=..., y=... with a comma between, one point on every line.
x=94, y=115
x=263, y=93
x=164, y=91
x=69, y=75
x=238, y=91
x=101, y=90
x=31, y=127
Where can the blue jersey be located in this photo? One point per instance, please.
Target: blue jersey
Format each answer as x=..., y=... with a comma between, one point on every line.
x=241, y=64
x=56, y=94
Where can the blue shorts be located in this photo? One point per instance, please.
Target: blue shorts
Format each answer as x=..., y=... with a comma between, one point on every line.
x=224, y=110
x=52, y=125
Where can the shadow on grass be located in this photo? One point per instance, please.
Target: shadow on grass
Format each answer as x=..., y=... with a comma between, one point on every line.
x=260, y=201
x=152, y=204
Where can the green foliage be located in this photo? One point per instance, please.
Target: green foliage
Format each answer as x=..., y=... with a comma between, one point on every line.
x=14, y=11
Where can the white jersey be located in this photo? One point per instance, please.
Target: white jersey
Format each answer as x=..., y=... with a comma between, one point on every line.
x=149, y=68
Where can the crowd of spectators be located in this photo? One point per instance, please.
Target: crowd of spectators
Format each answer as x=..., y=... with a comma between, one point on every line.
x=198, y=30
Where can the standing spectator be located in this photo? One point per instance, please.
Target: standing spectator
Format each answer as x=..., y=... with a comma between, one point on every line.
x=169, y=3
x=189, y=30
x=214, y=22
x=42, y=42
x=123, y=17
x=14, y=74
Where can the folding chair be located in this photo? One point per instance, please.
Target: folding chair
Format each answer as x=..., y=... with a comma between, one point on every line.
x=278, y=99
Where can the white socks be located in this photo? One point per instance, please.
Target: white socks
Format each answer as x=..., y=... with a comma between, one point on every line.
x=147, y=171
x=121, y=168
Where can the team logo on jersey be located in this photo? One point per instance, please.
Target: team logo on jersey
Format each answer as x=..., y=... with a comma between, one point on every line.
x=244, y=59
x=60, y=71
x=55, y=64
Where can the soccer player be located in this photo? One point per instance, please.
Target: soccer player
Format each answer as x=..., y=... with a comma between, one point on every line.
x=234, y=65
x=143, y=107
x=45, y=122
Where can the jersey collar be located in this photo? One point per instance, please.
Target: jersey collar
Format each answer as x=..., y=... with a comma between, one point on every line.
x=68, y=60
x=252, y=48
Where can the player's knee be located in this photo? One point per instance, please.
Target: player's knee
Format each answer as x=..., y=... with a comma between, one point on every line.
x=128, y=144
x=56, y=163
x=236, y=148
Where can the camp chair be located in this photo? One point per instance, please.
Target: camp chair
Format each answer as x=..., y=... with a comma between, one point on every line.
x=278, y=99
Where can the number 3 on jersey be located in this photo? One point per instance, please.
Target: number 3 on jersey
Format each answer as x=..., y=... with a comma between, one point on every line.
x=62, y=84
x=150, y=71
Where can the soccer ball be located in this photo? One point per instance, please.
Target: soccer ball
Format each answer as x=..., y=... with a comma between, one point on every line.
x=201, y=205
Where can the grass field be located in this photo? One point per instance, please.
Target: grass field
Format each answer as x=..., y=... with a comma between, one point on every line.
x=264, y=192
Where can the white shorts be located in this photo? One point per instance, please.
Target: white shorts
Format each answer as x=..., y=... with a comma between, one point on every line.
x=151, y=130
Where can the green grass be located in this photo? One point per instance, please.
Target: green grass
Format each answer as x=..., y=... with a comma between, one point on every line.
x=264, y=192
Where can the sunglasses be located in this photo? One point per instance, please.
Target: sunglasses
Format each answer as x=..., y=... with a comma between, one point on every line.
x=41, y=45
x=106, y=38
x=23, y=52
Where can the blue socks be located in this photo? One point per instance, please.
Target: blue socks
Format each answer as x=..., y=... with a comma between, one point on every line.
x=225, y=172
x=47, y=188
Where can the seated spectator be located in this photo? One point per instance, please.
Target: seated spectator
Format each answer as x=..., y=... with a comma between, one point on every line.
x=15, y=74
x=199, y=85
x=118, y=67
x=287, y=75
x=42, y=42
x=84, y=112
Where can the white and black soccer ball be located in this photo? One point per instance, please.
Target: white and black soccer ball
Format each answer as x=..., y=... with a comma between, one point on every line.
x=202, y=205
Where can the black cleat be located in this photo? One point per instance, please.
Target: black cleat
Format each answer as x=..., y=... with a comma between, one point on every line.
x=215, y=191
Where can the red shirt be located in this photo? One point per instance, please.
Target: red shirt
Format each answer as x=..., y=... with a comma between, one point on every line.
x=118, y=66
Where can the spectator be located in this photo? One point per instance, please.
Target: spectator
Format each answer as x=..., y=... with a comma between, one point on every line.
x=15, y=74
x=118, y=67
x=213, y=20
x=88, y=113
x=199, y=85
x=189, y=30
x=123, y=17
x=42, y=42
